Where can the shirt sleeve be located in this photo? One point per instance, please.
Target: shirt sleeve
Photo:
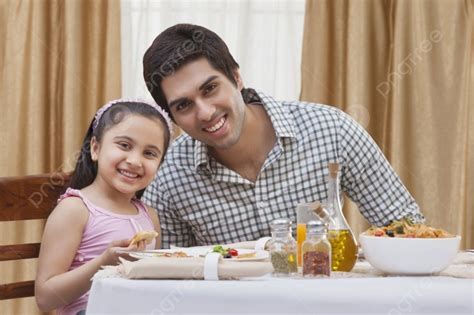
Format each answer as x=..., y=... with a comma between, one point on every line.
x=174, y=231
x=368, y=178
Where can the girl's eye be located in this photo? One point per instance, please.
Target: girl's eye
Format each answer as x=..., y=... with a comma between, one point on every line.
x=151, y=154
x=124, y=145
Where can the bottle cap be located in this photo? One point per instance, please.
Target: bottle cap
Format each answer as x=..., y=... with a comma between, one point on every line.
x=316, y=227
x=280, y=224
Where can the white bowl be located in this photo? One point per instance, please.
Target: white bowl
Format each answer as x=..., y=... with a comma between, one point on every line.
x=409, y=256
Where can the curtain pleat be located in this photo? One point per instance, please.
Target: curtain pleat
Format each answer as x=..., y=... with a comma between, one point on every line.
x=404, y=70
x=59, y=62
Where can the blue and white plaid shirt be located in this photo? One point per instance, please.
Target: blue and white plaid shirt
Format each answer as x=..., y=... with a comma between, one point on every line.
x=201, y=202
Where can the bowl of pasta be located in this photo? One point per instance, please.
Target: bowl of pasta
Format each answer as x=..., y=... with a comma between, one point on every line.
x=406, y=248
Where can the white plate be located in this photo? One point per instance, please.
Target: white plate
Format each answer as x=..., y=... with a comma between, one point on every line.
x=259, y=255
x=201, y=252
x=156, y=252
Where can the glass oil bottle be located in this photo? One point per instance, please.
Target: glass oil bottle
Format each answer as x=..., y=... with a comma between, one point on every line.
x=343, y=243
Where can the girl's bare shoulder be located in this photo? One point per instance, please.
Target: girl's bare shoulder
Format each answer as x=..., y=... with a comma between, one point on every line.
x=70, y=208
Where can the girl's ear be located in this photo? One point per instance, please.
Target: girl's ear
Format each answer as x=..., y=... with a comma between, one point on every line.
x=238, y=79
x=95, y=148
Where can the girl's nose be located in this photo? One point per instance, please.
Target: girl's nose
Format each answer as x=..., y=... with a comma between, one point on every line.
x=134, y=160
x=205, y=110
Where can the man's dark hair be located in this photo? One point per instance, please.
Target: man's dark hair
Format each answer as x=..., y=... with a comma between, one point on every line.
x=178, y=45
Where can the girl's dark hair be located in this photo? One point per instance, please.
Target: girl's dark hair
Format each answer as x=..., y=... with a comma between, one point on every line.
x=85, y=171
x=178, y=45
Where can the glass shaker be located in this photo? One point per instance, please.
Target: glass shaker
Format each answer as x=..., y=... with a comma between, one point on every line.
x=282, y=247
x=305, y=212
x=316, y=251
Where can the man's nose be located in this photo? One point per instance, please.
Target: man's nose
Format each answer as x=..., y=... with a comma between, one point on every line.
x=205, y=110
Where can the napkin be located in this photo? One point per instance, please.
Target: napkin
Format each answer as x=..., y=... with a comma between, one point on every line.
x=462, y=267
x=185, y=268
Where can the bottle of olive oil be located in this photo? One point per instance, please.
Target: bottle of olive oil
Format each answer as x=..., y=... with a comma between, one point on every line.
x=343, y=243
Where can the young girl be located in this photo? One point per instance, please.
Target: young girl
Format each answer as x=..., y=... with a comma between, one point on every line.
x=101, y=211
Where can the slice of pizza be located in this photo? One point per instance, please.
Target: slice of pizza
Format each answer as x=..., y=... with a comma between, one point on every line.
x=148, y=236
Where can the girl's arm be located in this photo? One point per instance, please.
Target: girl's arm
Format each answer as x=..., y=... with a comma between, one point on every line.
x=55, y=286
x=156, y=223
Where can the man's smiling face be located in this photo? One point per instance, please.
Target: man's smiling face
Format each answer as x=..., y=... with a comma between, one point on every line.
x=206, y=104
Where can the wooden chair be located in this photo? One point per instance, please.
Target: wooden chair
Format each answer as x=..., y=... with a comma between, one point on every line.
x=26, y=198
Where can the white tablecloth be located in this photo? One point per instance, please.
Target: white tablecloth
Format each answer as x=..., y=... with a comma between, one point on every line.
x=385, y=295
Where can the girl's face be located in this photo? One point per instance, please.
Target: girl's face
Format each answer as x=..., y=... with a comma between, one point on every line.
x=129, y=153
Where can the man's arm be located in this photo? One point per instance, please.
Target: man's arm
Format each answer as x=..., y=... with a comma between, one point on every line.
x=174, y=231
x=369, y=179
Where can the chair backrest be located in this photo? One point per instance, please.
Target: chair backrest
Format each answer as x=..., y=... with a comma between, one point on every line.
x=26, y=198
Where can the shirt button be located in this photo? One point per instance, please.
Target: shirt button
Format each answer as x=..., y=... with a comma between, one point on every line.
x=262, y=205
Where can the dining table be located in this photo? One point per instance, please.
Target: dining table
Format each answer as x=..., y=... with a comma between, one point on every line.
x=364, y=290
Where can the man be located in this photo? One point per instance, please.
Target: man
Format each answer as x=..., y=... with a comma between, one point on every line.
x=247, y=159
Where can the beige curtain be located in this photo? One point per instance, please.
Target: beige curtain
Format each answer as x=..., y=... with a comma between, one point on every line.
x=59, y=61
x=405, y=70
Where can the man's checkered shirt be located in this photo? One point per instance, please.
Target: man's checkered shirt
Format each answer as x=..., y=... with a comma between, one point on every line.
x=200, y=202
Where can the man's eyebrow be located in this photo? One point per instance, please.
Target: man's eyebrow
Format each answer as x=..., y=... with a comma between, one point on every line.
x=177, y=101
x=207, y=82
x=201, y=87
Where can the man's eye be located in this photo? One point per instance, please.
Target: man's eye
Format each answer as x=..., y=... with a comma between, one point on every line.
x=211, y=87
x=182, y=106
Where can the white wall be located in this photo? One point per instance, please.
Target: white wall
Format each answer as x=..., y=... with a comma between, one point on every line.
x=265, y=38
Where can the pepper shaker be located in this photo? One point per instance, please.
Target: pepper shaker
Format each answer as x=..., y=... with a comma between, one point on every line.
x=316, y=250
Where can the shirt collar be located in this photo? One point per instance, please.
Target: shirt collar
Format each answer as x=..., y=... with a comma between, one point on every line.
x=201, y=158
x=281, y=119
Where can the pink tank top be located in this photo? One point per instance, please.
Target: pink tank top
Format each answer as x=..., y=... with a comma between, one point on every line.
x=101, y=229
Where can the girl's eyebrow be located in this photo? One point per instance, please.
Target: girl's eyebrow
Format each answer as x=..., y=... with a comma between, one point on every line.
x=124, y=138
x=150, y=146
x=154, y=147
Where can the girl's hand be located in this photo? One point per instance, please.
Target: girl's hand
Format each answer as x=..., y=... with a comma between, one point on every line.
x=116, y=249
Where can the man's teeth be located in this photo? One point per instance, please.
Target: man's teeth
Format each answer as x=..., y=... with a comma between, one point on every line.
x=217, y=126
x=128, y=174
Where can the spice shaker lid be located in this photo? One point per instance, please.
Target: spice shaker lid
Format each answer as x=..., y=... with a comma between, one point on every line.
x=280, y=224
x=314, y=226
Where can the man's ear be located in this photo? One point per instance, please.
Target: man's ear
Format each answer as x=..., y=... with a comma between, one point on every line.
x=238, y=79
x=95, y=148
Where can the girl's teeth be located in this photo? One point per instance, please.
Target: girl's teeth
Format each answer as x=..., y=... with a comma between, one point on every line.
x=128, y=174
x=217, y=126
